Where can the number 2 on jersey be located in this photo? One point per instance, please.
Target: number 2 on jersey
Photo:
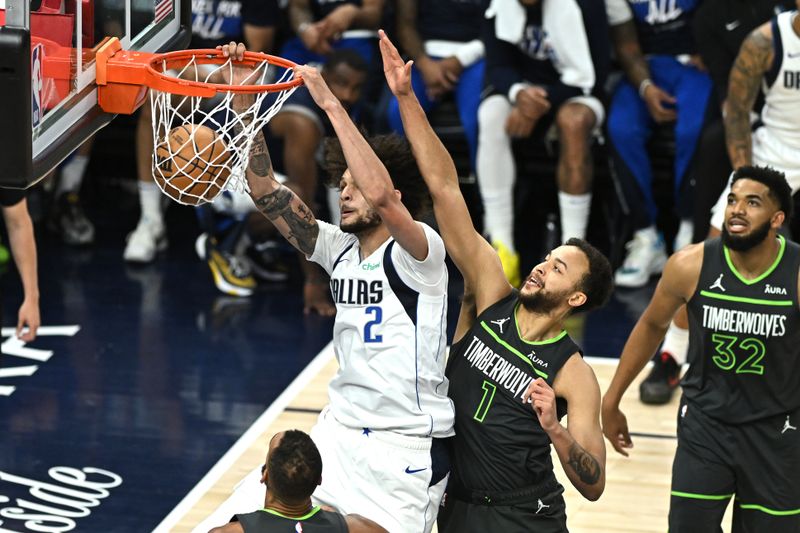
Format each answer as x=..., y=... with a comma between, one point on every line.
x=488, y=396
x=377, y=316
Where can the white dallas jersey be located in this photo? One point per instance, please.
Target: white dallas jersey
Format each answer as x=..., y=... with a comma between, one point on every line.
x=389, y=335
x=781, y=112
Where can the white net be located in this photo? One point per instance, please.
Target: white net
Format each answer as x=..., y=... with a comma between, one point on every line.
x=202, y=145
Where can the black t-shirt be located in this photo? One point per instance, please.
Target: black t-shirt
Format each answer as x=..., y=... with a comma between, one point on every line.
x=450, y=20
x=217, y=22
x=9, y=197
x=720, y=26
x=499, y=444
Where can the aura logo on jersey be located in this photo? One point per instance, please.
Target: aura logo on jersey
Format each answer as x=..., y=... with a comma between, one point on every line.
x=56, y=505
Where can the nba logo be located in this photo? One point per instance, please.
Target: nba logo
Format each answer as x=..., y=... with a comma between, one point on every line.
x=37, y=53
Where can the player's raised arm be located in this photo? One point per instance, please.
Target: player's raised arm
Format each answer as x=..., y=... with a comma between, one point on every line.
x=277, y=202
x=674, y=289
x=474, y=257
x=367, y=170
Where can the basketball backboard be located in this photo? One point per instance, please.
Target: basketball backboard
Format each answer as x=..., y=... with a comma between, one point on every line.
x=48, y=94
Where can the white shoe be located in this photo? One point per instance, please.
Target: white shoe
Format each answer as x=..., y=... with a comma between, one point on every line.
x=144, y=242
x=684, y=235
x=646, y=256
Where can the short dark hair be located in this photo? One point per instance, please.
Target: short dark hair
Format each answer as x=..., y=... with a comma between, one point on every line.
x=294, y=467
x=346, y=56
x=598, y=282
x=775, y=181
x=395, y=154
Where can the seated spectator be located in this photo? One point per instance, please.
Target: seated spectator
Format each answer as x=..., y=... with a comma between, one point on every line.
x=442, y=37
x=292, y=472
x=546, y=63
x=322, y=26
x=213, y=22
x=665, y=83
x=23, y=249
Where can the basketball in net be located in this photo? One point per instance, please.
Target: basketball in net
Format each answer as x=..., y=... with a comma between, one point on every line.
x=206, y=109
x=191, y=164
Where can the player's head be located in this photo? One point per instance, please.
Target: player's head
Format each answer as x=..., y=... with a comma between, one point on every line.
x=759, y=202
x=573, y=277
x=395, y=154
x=345, y=72
x=528, y=2
x=294, y=467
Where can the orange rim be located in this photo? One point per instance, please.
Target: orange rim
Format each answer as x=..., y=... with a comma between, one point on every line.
x=179, y=59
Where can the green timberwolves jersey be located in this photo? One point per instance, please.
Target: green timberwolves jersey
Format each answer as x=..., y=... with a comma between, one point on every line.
x=744, y=338
x=499, y=444
x=316, y=521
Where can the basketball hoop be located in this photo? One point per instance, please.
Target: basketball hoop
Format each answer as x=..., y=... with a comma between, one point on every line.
x=202, y=129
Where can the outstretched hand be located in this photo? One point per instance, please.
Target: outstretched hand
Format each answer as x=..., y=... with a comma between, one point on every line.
x=397, y=71
x=320, y=92
x=615, y=428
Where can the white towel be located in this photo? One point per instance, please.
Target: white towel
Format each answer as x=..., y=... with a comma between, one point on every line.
x=509, y=19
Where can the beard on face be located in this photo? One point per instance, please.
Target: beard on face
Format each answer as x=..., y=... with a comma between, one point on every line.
x=542, y=302
x=364, y=222
x=743, y=243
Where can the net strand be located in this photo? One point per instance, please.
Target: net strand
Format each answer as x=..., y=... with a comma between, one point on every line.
x=192, y=165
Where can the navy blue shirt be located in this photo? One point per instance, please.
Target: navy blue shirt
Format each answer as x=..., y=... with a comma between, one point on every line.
x=664, y=26
x=217, y=22
x=322, y=8
x=450, y=20
x=535, y=58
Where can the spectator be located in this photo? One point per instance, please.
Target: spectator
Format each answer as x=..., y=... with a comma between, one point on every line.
x=322, y=26
x=665, y=83
x=442, y=37
x=292, y=471
x=545, y=63
x=23, y=248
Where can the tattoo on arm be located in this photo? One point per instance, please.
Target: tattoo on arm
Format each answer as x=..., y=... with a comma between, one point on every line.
x=260, y=162
x=282, y=204
x=582, y=462
x=754, y=59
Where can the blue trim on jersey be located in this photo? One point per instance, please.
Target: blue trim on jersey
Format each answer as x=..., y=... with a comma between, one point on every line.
x=409, y=298
x=339, y=259
x=777, y=59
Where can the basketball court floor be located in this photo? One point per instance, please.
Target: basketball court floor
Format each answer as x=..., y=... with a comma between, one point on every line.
x=148, y=394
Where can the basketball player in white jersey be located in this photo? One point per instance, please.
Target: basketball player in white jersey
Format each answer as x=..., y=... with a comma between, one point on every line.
x=381, y=437
x=769, y=57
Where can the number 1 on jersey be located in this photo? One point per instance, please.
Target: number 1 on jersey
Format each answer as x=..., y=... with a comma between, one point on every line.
x=488, y=395
x=377, y=316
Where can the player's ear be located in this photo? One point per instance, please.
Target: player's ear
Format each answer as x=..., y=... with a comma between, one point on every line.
x=577, y=299
x=398, y=194
x=777, y=220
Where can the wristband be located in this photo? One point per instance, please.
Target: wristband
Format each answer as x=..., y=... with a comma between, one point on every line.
x=647, y=82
